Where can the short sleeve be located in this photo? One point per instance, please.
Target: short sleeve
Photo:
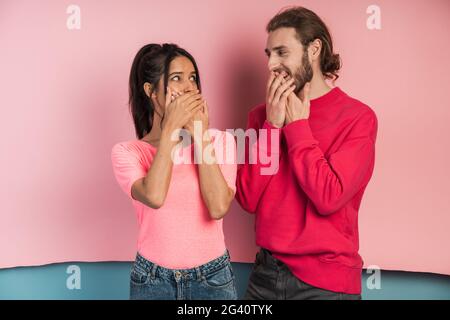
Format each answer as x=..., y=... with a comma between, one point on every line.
x=225, y=151
x=127, y=167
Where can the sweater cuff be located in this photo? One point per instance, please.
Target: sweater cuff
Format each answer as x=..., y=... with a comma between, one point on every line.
x=270, y=129
x=298, y=133
x=268, y=125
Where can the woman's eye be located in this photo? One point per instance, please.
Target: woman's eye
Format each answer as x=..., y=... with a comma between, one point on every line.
x=176, y=78
x=193, y=78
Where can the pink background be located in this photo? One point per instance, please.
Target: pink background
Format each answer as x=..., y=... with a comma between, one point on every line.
x=64, y=95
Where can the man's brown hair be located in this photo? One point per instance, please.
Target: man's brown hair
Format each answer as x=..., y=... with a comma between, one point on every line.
x=308, y=27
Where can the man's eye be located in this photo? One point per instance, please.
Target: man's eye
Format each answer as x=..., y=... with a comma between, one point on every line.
x=282, y=53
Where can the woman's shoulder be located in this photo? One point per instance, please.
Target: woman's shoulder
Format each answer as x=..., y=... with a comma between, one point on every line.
x=132, y=148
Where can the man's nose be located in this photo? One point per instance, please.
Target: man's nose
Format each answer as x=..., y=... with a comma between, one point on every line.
x=272, y=64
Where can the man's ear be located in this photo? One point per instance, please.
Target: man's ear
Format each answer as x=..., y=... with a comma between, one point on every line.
x=315, y=47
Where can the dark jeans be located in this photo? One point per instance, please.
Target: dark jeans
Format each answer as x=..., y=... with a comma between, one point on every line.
x=214, y=280
x=271, y=279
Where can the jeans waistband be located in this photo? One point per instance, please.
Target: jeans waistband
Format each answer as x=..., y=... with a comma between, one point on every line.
x=193, y=273
x=266, y=257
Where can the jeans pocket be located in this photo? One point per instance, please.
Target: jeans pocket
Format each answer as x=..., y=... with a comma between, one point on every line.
x=138, y=276
x=219, y=278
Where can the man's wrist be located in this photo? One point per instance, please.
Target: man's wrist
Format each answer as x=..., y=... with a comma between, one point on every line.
x=273, y=124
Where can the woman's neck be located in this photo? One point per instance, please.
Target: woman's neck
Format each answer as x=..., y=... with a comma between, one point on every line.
x=154, y=136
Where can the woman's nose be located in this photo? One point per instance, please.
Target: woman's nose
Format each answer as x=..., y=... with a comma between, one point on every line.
x=189, y=86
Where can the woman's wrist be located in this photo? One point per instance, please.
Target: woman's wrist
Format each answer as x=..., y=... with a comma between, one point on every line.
x=167, y=137
x=167, y=131
x=201, y=136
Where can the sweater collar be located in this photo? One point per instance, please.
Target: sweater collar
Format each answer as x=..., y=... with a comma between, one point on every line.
x=327, y=98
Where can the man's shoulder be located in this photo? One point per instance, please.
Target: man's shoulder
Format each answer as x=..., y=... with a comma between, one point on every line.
x=356, y=107
x=258, y=113
x=258, y=110
x=257, y=116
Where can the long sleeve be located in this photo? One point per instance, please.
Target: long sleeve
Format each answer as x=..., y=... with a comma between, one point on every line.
x=331, y=183
x=257, y=170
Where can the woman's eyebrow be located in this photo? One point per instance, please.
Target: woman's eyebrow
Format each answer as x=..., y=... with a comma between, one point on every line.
x=179, y=72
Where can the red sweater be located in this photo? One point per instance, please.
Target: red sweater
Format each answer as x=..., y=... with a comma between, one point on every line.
x=307, y=212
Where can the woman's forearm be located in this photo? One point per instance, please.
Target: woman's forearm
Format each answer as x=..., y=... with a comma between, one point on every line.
x=157, y=181
x=214, y=188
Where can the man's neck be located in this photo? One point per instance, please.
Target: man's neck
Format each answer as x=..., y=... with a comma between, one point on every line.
x=319, y=87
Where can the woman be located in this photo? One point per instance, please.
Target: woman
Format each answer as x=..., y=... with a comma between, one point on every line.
x=181, y=252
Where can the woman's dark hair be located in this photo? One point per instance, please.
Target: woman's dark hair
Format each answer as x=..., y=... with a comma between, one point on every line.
x=150, y=63
x=308, y=27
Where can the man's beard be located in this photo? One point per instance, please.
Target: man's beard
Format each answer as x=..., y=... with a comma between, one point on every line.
x=302, y=75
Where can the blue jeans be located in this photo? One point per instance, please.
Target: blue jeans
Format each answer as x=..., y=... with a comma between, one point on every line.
x=214, y=280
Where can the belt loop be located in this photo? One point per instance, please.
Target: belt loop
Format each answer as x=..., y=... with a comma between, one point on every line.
x=199, y=273
x=138, y=259
x=153, y=270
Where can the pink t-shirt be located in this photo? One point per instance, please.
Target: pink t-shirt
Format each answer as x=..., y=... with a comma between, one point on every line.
x=181, y=234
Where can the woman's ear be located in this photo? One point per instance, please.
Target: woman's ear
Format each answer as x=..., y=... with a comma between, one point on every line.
x=151, y=93
x=148, y=88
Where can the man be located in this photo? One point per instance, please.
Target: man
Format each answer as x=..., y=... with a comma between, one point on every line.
x=307, y=210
